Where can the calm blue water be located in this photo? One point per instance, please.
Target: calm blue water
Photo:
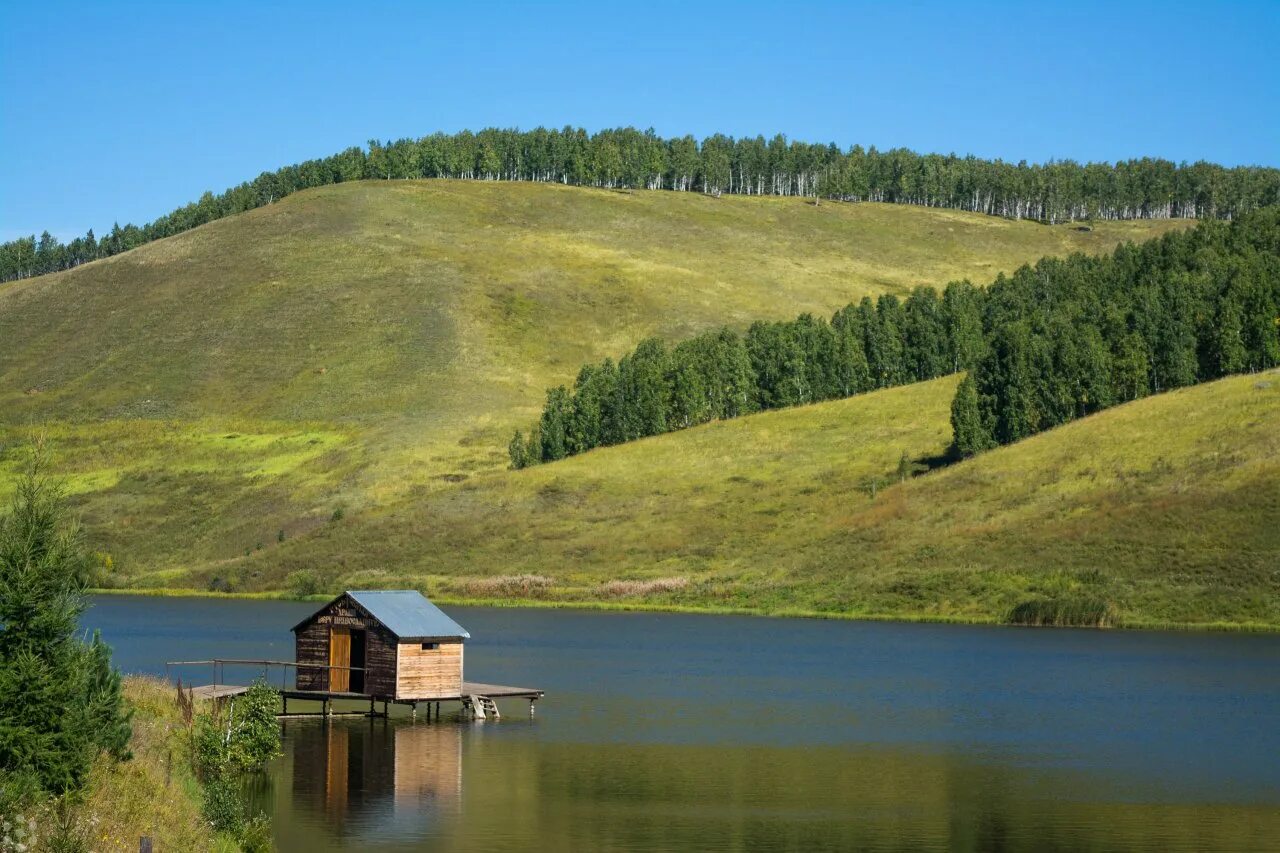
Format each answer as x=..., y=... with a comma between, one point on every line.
x=665, y=731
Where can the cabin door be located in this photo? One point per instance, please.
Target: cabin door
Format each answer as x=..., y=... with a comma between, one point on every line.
x=339, y=656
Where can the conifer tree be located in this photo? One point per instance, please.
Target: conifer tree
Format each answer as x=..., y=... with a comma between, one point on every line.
x=60, y=700
x=516, y=451
x=105, y=698
x=908, y=467
x=884, y=344
x=925, y=336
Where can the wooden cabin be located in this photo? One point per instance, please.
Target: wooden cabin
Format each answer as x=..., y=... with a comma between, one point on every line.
x=392, y=645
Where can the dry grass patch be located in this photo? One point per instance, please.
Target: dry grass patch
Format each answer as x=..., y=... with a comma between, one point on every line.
x=504, y=586
x=641, y=588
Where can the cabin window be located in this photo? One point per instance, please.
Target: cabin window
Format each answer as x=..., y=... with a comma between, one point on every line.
x=427, y=647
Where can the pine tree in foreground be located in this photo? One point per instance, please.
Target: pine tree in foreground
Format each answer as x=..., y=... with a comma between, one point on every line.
x=60, y=700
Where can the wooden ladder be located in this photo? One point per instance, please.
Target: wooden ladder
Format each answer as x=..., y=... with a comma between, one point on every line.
x=482, y=707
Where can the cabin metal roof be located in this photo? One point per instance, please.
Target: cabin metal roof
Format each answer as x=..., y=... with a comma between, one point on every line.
x=404, y=612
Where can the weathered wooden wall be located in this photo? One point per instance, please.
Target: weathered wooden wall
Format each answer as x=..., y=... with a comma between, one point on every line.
x=429, y=673
x=312, y=646
x=380, y=662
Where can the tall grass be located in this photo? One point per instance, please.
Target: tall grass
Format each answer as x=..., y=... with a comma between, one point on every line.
x=1071, y=611
x=503, y=586
x=154, y=794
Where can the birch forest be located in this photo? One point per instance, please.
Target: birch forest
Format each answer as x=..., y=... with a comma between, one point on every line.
x=626, y=158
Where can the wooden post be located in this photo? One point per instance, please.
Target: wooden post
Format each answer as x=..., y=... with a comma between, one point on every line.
x=285, y=699
x=144, y=844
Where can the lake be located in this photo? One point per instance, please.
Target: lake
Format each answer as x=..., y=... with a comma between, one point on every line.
x=683, y=732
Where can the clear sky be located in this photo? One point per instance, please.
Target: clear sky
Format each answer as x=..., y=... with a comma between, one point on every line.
x=122, y=111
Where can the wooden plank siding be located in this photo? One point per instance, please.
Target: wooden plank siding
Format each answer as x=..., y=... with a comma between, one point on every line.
x=380, y=662
x=312, y=646
x=429, y=673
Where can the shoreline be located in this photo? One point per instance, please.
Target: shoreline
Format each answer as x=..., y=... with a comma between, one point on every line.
x=712, y=610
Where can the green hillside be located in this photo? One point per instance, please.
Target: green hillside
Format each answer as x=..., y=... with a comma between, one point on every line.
x=363, y=350
x=1168, y=509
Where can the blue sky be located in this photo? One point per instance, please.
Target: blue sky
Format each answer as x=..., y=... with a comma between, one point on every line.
x=123, y=111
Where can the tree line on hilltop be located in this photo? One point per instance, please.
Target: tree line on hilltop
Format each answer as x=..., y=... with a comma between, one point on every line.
x=628, y=158
x=1051, y=342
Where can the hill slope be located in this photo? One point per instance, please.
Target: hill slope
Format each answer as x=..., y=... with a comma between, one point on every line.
x=364, y=344
x=444, y=300
x=1167, y=508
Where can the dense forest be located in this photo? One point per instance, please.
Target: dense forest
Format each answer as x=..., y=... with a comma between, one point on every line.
x=628, y=158
x=1050, y=343
x=1070, y=337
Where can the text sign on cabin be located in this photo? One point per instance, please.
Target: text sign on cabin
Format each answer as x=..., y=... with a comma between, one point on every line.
x=350, y=621
x=340, y=615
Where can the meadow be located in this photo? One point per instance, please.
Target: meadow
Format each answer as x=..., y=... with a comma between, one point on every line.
x=1161, y=512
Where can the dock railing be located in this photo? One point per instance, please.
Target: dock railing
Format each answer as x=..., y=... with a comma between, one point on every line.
x=219, y=667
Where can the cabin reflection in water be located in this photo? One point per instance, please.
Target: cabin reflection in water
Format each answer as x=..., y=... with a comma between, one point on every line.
x=408, y=774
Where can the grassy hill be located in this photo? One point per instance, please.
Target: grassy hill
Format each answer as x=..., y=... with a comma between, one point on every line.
x=363, y=350
x=1167, y=509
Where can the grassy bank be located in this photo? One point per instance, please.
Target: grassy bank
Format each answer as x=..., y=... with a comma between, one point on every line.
x=153, y=794
x=704, y=610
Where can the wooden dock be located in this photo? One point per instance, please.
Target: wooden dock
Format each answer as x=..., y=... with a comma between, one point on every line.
x=476, y=698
